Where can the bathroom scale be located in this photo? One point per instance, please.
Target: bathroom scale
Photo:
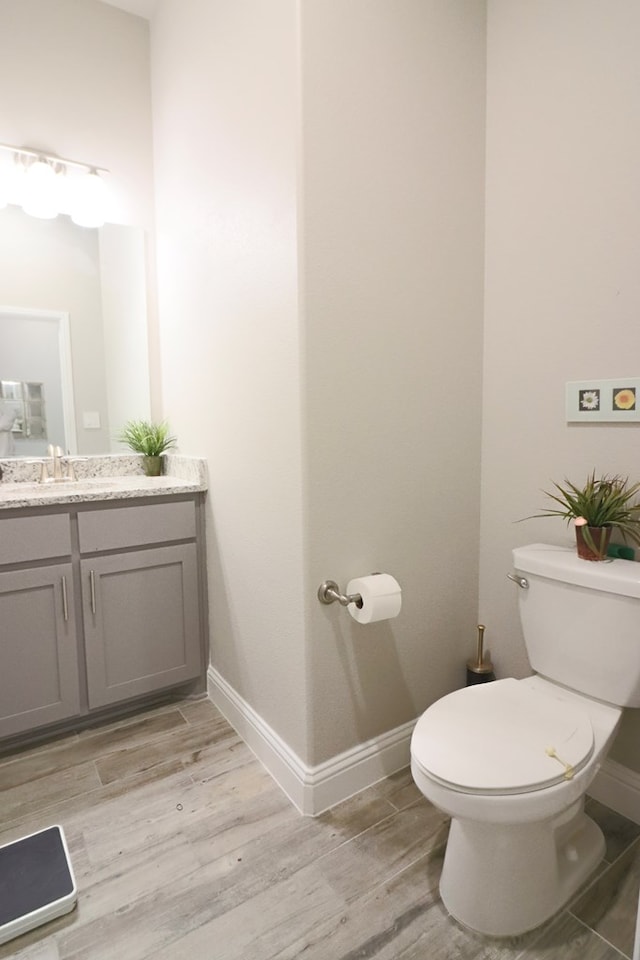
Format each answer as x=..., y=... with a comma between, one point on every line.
x=36, y=882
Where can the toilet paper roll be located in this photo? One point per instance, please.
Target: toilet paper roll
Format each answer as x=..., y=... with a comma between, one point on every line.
x=381, y=598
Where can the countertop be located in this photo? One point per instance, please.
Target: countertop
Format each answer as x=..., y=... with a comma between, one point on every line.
x=102, y=480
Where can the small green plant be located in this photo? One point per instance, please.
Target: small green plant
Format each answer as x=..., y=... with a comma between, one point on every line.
x=602, y=502
x=150, y=439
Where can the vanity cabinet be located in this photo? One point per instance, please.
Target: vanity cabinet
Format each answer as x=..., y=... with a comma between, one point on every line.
x=140, y=607
x=38, y=647
x=98, y=605
x=141, y=624
x=38, y=653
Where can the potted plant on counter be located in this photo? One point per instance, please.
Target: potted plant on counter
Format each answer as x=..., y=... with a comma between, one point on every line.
x=149, y=439
x=601, y=504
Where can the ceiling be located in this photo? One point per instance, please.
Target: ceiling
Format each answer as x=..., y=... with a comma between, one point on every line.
x=142, y=8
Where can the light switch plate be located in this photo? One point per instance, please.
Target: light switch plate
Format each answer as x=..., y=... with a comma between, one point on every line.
x=603, y=400
x=91, y=420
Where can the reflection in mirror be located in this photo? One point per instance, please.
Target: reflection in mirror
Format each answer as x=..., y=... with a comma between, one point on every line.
x=24, y=411
x=77, y=298
x=35, y=345
x=9, y=415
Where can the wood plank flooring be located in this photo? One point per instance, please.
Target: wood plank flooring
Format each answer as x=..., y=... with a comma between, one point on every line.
x=185, y=849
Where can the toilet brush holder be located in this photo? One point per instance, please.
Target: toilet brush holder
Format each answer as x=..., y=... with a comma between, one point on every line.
x=479, y=670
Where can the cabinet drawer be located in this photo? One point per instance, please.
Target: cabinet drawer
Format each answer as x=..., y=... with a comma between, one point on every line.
x=136, y=526
x=34, y=538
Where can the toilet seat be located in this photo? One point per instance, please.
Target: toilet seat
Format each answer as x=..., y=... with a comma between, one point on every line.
x=502, y=738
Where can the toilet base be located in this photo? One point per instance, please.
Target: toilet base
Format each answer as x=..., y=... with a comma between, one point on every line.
x=504, y=879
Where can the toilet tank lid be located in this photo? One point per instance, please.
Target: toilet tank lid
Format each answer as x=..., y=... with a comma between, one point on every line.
x=563, y=564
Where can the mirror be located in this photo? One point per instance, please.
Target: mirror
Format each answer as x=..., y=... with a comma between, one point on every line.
x=73, y=320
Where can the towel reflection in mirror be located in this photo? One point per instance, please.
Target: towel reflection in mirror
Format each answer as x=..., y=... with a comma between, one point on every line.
x=7, y=420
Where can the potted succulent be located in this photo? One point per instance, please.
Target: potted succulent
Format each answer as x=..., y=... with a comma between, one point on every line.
x=596, y=508
x=149, y=439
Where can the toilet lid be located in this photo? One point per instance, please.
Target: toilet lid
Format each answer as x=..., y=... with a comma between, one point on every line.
x=502, y=737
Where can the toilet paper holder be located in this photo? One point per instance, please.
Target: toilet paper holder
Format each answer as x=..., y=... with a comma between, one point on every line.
x=329, y=592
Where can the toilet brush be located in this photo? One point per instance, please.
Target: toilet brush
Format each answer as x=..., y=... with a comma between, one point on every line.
x=479, y=670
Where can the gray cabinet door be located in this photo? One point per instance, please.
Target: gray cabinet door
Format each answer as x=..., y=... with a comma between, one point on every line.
x=141, y=622
x=38, y=650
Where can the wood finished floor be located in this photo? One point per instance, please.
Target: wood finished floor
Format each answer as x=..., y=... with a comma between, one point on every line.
x=183, y=847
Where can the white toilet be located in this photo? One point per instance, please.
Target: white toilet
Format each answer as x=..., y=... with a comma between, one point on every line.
x=510, y=761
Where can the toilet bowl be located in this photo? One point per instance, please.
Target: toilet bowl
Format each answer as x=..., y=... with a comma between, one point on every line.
x=510, y=761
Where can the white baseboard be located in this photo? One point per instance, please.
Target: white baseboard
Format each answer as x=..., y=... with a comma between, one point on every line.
x=618, y=788
x=315, y=789
x=311, y=789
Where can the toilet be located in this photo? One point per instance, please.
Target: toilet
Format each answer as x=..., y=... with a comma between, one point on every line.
x=510, y=761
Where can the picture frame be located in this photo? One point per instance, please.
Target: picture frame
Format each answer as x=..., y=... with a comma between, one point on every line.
x=603, y=400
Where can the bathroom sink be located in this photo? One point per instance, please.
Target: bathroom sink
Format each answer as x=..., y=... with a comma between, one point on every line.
x=7, y=488
x=22, y=494
x=90, y=484
x=42, y=491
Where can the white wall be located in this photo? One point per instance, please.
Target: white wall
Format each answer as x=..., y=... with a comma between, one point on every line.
x=75, y=77
x=392, y=204
x=124, y=311
x=562, y=278
x=225, y=108
x=319, y=188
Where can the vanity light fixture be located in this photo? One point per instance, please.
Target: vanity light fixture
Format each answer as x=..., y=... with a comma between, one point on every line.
x=45, y=185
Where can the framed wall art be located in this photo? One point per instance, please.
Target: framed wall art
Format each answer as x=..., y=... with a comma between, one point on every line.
x=604, y=400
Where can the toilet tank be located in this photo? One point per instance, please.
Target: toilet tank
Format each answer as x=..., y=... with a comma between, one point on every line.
x=581, y=621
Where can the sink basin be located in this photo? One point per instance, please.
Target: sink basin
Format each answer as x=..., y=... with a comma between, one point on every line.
x=19, y=494
x=19, y=487
x=35, y=490
x=90, y=484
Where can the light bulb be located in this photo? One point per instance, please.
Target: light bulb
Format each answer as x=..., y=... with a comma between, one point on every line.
x=88, y=200
x=40, y=197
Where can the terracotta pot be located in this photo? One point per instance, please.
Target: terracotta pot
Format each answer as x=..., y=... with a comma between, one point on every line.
x=153, y=466
x=588, y=538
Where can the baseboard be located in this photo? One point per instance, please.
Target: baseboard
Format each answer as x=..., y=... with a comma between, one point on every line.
x=311, y=789
x=618, y=788
x=315, y=789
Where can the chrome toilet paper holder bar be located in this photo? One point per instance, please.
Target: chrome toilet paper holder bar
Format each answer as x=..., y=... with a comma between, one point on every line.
x=329, y=592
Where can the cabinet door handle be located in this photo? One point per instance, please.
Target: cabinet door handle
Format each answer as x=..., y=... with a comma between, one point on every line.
x=65, y=605
x=92, y=584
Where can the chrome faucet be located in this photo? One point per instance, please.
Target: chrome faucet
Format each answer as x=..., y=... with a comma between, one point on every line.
x=52, y=468
x=55, y=454
x=58, y=467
